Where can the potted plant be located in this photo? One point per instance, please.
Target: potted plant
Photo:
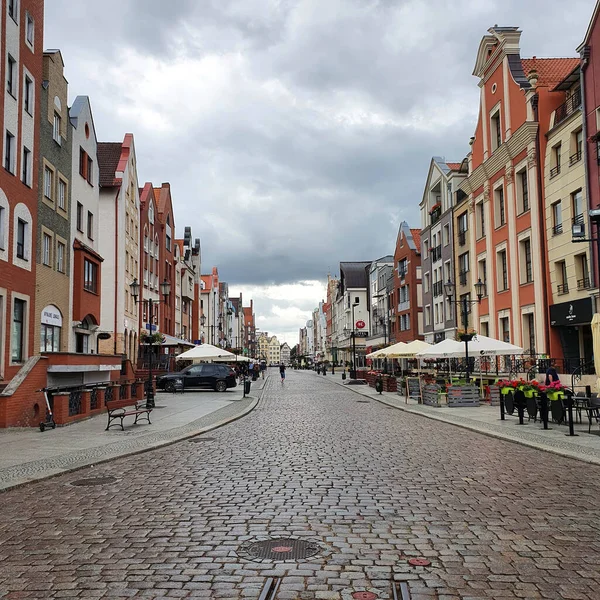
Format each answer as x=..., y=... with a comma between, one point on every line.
x=554, y=391
x=530, y=388
x=506, y=386
x=466, y=335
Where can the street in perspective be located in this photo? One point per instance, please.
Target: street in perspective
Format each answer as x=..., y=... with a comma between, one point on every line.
x=300, y=300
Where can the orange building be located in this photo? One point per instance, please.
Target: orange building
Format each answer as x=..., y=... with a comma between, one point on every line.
x=505, y=189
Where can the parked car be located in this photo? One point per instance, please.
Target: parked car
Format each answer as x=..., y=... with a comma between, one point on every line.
x=211, y=376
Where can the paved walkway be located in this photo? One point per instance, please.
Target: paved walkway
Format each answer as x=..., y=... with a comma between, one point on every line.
x=364, y=486
x=28, y=454
x=486, y=419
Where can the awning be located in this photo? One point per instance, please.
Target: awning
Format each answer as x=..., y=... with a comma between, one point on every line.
x=173, y=341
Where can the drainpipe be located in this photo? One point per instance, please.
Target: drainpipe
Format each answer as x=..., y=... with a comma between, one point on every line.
x=541, y=219
x=116, y=269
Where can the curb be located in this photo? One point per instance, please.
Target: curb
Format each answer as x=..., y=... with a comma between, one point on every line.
x=482, y=430
x=152, y=446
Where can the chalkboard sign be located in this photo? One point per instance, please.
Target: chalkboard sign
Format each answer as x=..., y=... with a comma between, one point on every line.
x=179, y=385
x=413, y=388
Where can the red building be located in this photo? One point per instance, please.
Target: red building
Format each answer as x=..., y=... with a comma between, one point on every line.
x=21, y=30
x=407, y=308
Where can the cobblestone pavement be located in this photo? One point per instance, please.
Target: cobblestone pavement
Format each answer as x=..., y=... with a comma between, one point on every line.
x=373, y=486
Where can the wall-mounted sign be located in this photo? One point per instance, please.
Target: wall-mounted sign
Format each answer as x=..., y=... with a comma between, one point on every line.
x=51, y=316
x=151, y=327
x=362, y=334
x=578, y=312
x=104, y=336
x=360, y=324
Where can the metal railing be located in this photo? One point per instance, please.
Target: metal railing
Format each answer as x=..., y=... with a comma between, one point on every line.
x=566, y=109
x=557, y=229
x=575, y=157
x=123, y=391
x=562, y=288
x=94, y=399
x=436, y=253
x=583, y=284
x=438, y=288
x=108, y=394
x=462, y=277
x=555, y=171
x=462, y=238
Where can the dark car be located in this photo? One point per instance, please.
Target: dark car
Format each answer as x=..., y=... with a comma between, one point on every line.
x=211, y=376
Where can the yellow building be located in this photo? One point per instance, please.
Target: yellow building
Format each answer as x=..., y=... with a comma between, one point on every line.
x=274, y=355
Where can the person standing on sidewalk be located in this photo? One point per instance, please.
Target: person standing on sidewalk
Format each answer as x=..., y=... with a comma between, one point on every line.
x=282, y=372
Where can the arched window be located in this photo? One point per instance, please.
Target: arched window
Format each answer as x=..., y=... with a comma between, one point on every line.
x=151, y=212
x=50, y=333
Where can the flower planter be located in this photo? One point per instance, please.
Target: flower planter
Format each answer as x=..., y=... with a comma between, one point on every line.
x=506, y=390
x=555, y=395
x=529, y=393
x=466, y=337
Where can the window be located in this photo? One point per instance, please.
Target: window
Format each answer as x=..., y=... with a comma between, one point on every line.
x=500, y=217
x=56, y=128
x=62, y=194
x=581, y=272
x=18, y=331
x=29, y=29
x=463, y=222
x=50, y=338
x=576, y=147
x=426, y=283
x=10, y=75
x=496, y=131
x=529, y=332
x=82, y=162
x=482, y=274
x=48, y=183
x=12, y=9
x=555, y=161
x=9, y=152
x=505, y=329
x=502, y=271
x=463, y=268
x=562, y=278
x=2, y=227
x=26, y=166
x=90, y=170
x=90, y=276
x=90, y=225
x=21, y=238
x=46, y=253
x=480, y=215
x=151, y=212
x=526, y=265
x=80, y=217
x=60, y=257
x=446, y=235
x=28, y=95
x=577, y=203
x=522, y=191
x=556, y=218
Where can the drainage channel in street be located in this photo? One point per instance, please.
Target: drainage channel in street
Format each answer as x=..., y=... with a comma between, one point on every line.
x=269, y=590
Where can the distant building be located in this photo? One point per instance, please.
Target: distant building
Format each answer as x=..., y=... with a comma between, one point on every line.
x=284, y=353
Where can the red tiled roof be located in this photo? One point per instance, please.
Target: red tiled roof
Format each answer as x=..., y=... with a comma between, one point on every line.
x=551, y=71
x=416, y=233
x=453, y=166
x=109, y=154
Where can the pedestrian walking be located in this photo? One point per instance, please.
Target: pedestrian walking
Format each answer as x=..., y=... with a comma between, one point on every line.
x=551, y=374
x=282, y=372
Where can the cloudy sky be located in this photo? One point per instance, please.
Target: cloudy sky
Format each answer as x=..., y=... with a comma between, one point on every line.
x=295, y=133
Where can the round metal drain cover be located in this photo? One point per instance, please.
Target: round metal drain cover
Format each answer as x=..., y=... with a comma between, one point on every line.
x=94, y=481
x=279, y=549
x=419, y=562
x=364, y=596
x=202, y=439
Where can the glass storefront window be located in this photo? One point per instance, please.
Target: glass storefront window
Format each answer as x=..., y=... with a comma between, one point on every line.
x=50, y=338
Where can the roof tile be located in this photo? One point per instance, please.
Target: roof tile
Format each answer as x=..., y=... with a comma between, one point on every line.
x=416, y=233
x=551, y=71
x=109, y=154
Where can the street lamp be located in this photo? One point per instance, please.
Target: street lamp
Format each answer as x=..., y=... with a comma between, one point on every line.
x=450, y=289
x=165, y=289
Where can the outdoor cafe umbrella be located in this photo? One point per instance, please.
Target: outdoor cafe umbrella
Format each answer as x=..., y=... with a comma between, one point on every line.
x=387, y=352
x=596, y=346
x=410, y=350
x=206, y=352
x=479, y=345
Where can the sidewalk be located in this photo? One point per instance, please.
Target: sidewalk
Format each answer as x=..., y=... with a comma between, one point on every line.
x=486, y=419
x=28, y=454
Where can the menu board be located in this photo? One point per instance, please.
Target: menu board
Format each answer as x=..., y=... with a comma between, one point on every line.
x=413, y=388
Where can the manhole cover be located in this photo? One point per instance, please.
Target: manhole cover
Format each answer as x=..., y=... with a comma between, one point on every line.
x=419, y=562
x=94, y=481
x=202, y=439
x=279, y=549
x=364, y=596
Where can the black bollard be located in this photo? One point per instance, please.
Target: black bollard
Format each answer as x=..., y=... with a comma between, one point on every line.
x=324, y=371
x=544, y=409
x=520, y=402
x=502, y=410
x=569, y=395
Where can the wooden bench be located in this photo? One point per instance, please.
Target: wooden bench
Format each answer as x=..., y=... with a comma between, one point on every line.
x=119, y=409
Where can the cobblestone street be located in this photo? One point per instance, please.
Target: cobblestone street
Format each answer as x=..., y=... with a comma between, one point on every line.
x=372, y=485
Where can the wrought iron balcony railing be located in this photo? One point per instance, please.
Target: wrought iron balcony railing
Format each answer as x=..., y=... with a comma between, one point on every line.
x=566, y=109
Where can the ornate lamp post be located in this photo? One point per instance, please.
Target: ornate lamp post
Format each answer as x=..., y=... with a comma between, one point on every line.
x=450, y=289
x=165, y=289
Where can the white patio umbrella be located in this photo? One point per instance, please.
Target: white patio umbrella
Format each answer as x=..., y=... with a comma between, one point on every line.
x=480, y=345
x=206, y=352
x=445, y=349
x=387, y=352
x=596, y=347
x=411, y=349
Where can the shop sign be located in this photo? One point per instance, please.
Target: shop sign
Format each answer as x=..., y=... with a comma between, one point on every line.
x=578, y=312
x=361, y=334
x=51, y=316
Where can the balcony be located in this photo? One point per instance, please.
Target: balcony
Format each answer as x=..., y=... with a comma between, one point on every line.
x=462, y=277
x=565, y=110
x=583, y=284
x=438, y=289
x=436, y=253
x=574, y=158
x=562, y=289
x=557, y=229
x=555, y=171
x=462, y=238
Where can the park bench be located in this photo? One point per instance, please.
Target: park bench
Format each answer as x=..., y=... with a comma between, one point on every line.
x=119, y=409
